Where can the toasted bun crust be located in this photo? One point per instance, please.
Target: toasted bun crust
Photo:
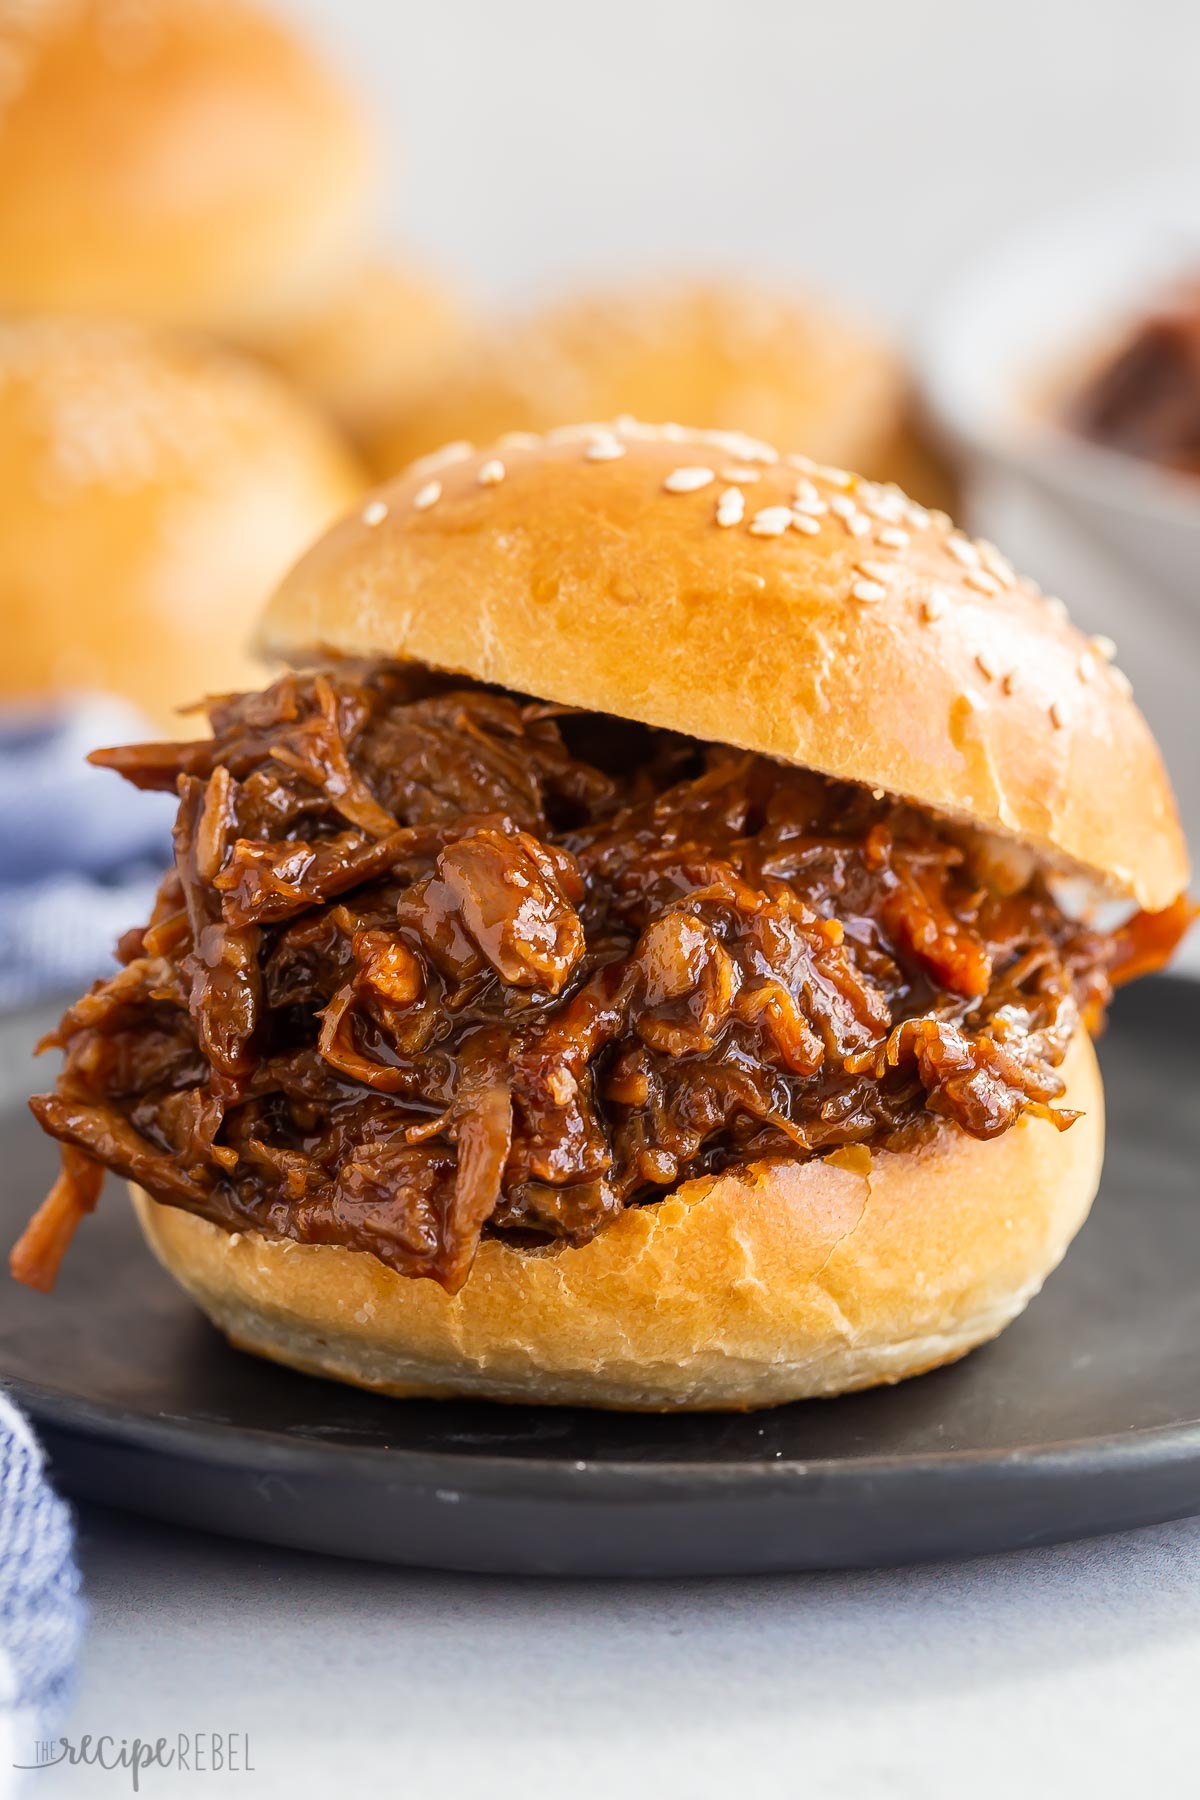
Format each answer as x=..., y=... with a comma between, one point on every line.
x=724, y=353
x=182, y=161
x=387, y=333
x=151, y=491
x=866, y=640
x=775, y=1282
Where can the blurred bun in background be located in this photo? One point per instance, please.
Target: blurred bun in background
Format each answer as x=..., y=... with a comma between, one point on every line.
x=181, y=161
x=388, y=334
x=152, y=490
x=715, y=353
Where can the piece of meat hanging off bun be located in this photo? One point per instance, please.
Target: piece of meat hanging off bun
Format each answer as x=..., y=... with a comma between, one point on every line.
x=622, y=964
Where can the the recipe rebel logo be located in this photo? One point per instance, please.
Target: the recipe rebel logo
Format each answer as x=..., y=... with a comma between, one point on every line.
x=190, y=1753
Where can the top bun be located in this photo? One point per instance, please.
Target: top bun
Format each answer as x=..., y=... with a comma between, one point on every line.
x=723, y=353
x=701, y=582
x=152, y=491
x=179, y=161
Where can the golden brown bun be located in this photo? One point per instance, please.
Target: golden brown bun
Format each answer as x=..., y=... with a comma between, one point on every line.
x=181, y=161
x=722, y=353
x=151, y=491
x=771, y=1283
x=880, y=647
x=387, y=333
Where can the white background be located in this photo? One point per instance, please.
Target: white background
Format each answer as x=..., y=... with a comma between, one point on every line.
x=869, y=149
x=868, y=146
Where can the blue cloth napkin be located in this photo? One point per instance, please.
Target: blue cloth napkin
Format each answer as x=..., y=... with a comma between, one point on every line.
x=41, y=1614
x=80, y=850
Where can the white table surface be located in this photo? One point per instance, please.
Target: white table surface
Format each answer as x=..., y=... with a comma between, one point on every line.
x=1069, y=1671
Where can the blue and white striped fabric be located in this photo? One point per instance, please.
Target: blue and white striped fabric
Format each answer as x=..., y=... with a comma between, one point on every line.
x=80, y=850
x=41, y=1614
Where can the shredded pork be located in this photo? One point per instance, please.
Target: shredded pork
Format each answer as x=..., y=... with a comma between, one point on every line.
x=437, y=962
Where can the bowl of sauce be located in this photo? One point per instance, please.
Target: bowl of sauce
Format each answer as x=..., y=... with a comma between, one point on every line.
x=1064, y=369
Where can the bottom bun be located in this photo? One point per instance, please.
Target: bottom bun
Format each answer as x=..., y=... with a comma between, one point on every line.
x=774, y=1282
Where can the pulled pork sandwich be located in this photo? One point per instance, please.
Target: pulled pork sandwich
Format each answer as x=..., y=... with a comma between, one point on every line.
x=624, y=963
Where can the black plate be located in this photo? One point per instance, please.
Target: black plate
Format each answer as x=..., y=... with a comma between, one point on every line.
x=1084, y=1417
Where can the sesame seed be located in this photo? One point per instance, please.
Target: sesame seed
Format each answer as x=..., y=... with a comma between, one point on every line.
x=964, y=550
x=519, y=440
x=887, y=504
x=736, y=472
x=892, y=538
x=839, y=478
x=1057, y=608
x=687, y=480
x=456, y=451
x=816, y=506
x=604, y=450
x=1104, y=646
x=868, y=591
x=933, y=605
x=917, y=516
x=731, y=507
x=875, y=571
x=843, y=506
x=1121, y=678
x=806, y=493
x=492, y=473
x=857, y=525
x=1011, y=682
x=806, y=524
x=737, y=446
x=427, y=496
x=805, y=464
x=1058, y=714
x=996, y=564
x=987, y=665
x=971, y=700
x=772, y=521
x=374, y=512
x=674, y=434
x=1086, y=667
x=982, y=582
x=878, y=793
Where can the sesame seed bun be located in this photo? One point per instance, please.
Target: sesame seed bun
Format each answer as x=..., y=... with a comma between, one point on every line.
x=179, y=161
x=151, y=492
x=387, y=333
x=698, y=581
x=773, y=1282
x=723, y=352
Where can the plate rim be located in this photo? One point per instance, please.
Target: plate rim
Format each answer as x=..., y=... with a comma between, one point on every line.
x=218, y=1445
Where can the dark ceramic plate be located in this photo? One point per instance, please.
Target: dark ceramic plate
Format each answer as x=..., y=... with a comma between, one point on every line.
x=1084, y=1417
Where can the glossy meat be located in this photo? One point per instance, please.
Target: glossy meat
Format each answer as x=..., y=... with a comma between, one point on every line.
x=434, y=963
